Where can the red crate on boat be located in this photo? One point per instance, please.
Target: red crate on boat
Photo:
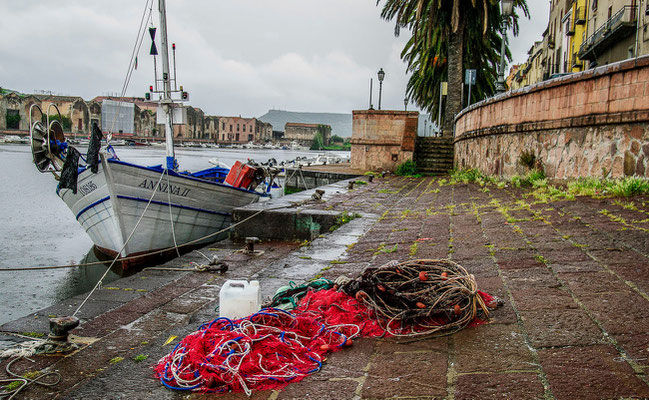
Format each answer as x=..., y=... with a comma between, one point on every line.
x=240, y=175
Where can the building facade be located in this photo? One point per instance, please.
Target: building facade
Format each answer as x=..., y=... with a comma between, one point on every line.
x=583, y=34
x=305, y=133
x=236, y=130
x=615, y=30
x=77, y=114
x=128, y=117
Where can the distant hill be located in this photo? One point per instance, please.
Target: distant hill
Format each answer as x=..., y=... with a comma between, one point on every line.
x=341, y=124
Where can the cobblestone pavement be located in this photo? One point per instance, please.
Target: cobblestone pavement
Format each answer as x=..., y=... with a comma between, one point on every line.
x=574, y=275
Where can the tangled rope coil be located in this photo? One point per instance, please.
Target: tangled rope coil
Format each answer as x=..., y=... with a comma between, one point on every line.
x=17, y=383
x=287, y=297
x=421, y=297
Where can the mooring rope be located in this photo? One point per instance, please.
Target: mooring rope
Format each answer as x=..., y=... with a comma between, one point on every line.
x=190, y=243
x=171, y=217
x=155, y=189
x=26, y=381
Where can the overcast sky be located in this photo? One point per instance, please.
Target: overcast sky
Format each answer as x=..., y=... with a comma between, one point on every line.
x=233, y=56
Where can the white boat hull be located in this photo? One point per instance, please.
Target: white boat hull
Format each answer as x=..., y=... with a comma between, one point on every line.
x=109, y=204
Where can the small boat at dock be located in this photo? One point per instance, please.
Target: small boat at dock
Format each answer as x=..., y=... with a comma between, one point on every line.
x=137, y=212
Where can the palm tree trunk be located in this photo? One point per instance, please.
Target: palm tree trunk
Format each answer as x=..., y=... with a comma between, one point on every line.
x=455, y=75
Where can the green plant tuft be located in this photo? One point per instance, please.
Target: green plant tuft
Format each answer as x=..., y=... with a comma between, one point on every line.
x=527, y=159
x=344, y=218
x=407, y=168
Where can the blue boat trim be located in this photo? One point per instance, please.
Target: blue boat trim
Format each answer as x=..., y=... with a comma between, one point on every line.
x=163, y=203
x=158, y=168
x=92, y=205
x=152, y=202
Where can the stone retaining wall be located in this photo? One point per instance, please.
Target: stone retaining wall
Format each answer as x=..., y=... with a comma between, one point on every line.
x=592, y=123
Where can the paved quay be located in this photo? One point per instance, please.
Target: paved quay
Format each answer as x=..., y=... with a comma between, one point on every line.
x=574, y=276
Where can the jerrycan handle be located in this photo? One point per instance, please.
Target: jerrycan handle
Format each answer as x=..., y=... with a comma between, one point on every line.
x=236, y=284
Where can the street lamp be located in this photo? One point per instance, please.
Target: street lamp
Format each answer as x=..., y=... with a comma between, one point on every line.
x=405, y=104
x=506, y=10
x=381, y=76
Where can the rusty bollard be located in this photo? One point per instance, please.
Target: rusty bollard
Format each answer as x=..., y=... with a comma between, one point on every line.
x=318, y=194
x=60, y=328
x=250, y=244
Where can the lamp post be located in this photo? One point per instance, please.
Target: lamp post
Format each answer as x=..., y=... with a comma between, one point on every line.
x=381, y=76
x=405, y=104
x=506, y=10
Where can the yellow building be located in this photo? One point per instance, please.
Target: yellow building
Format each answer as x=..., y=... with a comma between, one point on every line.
x=616, y=30
x=576, y=21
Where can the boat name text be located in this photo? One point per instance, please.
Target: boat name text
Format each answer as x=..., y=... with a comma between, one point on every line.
x=87, y=188
x=163, y=187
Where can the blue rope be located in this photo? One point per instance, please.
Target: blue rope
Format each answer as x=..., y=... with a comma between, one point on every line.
x=317, y=369
x=179, y=388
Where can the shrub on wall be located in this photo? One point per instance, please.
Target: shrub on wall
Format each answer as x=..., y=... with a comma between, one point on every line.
x=13, y=121
x=527, y=159
x=66, y=122
x=317, y=142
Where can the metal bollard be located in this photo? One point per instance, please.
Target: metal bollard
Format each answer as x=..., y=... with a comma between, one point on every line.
x=250, y=244
x=317, y=195
x=60, y=327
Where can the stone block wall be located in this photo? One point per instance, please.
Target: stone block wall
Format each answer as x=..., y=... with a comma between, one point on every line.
x=593, y=123
x=382, y=139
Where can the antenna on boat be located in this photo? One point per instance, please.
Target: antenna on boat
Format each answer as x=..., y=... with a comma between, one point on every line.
x=167, y=104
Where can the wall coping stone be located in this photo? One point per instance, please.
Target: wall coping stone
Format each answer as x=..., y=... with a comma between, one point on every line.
x=625, y=117
x=386, y=112
x=594, y=73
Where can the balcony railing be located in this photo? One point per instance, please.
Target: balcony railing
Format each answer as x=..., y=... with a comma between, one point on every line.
x=619, y=26
x=580, y=16
x=575, y=61
x=570, y=27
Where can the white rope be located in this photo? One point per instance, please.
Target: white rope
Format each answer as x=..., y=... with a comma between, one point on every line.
x=119, y=253
x=171, y=217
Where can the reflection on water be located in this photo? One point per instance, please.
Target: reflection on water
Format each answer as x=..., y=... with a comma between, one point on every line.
x=37, y=228
x=83, y=279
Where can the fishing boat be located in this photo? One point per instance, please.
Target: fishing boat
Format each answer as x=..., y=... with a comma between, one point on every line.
x=135, y=212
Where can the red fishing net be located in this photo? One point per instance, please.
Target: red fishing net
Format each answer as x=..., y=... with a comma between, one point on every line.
x=272, y=348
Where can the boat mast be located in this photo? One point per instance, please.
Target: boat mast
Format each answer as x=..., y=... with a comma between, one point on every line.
x=166, y=102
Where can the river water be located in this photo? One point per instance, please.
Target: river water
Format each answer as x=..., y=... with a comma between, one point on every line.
x=38, y=229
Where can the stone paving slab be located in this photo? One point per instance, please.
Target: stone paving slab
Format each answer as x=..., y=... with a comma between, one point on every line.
x=573, y=274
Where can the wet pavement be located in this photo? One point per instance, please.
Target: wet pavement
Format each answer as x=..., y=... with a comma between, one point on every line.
x=574, y=275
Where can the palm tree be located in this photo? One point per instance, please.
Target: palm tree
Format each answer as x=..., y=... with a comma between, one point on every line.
x=448, y=35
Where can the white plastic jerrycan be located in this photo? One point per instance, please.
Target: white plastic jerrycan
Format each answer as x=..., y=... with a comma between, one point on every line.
x=239, y=298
